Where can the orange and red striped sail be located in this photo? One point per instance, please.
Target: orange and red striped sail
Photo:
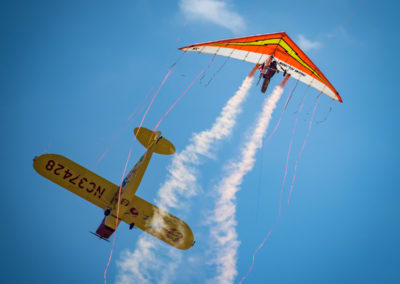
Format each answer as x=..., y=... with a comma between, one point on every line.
x=258, y=49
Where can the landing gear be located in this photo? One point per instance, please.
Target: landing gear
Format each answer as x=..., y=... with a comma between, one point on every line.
x=131, y=226
x=107, y=212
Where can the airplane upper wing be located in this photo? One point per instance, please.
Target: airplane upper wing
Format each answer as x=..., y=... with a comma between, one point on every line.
x=158, y=222
x=76, y=179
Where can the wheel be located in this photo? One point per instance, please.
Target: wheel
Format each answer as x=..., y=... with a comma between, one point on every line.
x=107, y=212
x=131, y=226
x=265, y=85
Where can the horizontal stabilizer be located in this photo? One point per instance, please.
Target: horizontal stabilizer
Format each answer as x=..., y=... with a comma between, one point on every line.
x=146, y=137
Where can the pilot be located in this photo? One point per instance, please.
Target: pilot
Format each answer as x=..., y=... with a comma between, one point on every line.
x=272, y=69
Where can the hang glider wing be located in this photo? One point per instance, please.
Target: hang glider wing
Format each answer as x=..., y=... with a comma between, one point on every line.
x=158, y=223
x=76, y=179
x=258, y=49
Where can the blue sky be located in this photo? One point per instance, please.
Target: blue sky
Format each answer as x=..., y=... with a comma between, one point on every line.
x=73, y=73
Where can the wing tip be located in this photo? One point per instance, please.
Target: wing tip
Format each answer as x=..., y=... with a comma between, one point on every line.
x=339, y=98
x=186, y=47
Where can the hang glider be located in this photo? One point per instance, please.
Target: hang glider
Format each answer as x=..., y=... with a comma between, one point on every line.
x=131, y=209
x=260, y=49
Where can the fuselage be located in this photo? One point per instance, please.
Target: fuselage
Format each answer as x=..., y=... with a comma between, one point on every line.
x=126, y=193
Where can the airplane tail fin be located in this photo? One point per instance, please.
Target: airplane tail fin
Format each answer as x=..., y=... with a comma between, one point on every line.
x=146, y=136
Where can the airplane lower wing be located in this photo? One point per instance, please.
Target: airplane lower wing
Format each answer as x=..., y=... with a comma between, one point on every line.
x=76, y=179
x=100, y=192
x=158, y=222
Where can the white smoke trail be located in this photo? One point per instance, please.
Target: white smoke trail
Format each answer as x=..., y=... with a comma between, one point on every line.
x=180, y=185
x=223, y=220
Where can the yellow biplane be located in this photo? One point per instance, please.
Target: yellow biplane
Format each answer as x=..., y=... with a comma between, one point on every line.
x=120, y=204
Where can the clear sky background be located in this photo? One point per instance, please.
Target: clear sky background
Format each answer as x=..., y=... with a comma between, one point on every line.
x=74, y=72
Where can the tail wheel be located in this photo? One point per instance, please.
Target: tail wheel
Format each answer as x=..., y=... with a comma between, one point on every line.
x=107, y=212
x=131, y=226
